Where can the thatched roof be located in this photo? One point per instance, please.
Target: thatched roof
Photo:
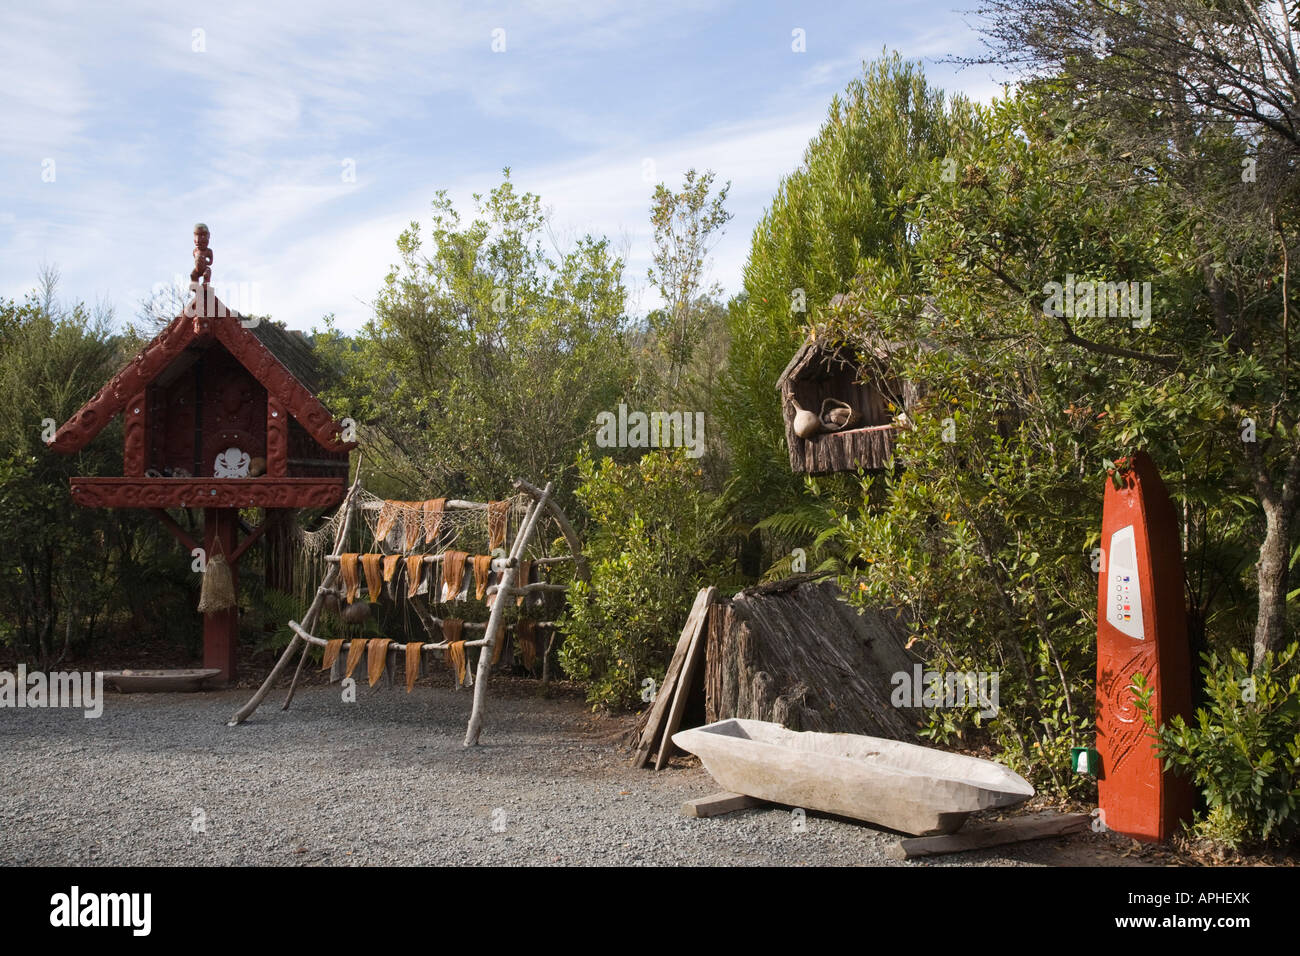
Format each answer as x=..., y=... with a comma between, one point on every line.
x=292, y=350
x=844, y=351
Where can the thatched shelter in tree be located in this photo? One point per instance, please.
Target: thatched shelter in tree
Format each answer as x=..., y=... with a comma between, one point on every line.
x=823, y=375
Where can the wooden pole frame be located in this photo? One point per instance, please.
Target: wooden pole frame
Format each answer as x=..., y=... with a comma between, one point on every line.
x=505, y=589
x=506, y=586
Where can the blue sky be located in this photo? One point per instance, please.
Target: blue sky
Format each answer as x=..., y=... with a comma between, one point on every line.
x=251, y=134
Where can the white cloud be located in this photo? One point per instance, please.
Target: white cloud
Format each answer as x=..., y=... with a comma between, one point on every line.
x=249, y=136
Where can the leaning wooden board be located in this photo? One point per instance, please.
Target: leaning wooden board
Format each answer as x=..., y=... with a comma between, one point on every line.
x=650, y=735
x=696, y=624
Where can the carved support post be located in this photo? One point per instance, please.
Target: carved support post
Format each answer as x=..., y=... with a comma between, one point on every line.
x=135, y=430
x=221, y=628
x=277, y=439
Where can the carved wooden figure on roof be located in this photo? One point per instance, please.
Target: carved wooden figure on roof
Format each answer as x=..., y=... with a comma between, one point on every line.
x=202, y=254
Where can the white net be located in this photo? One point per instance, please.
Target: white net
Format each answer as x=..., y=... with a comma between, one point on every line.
x=413, y=527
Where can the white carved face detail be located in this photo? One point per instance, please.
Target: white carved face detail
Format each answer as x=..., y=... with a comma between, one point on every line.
x=231, y=463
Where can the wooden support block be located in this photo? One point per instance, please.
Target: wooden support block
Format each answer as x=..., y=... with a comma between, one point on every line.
x=718, y=804
x=980, y=835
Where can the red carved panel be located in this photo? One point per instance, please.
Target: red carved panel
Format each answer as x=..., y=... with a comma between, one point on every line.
x=308, y=460
x=262, y=492
x=173, y=427
x=233, y=410
x=277, y=438
x=135, y=428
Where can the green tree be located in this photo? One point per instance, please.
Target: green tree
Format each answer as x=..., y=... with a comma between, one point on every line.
x=983, y=529
x=1205, y=99
x=842, y=204
x=487, y=359
x=686, y=225
x=656, y=540
x=67, y=570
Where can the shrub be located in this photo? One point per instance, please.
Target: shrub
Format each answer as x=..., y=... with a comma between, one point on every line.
x=656, y=540
x=1243, y=750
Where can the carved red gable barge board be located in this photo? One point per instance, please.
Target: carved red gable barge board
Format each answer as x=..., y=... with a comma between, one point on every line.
x=78, y=430
x=292, y=394
x=1141, y=628
x=193, y=326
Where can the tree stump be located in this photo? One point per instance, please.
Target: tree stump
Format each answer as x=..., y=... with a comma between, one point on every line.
x=796, y=654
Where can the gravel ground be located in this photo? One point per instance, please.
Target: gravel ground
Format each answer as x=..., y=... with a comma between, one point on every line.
x=386, y=781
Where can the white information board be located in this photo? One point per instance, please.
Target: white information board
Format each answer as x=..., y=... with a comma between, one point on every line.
x=1123, y=589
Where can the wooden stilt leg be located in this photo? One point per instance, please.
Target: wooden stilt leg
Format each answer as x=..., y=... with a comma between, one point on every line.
x=221, y=628
x=485, y=660
x=546, y=665
x=309, y=619
x=288, y=698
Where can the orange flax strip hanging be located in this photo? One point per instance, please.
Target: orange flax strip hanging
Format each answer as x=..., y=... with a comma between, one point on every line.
x=412, y=663
x=377, y=657
x=526, y=638
x=414, y=565
x=453, y=573
x=498, y=513
x=496, y=650
x=452, y=627
x=332, y=649
x=355, y=650
x=525, y=571
x=456, y=660
x=482, y=568
x=370, y=564
x=412, y=526
x=390, y=566
x=433, y=509
x=387, y=517
x=351, y=578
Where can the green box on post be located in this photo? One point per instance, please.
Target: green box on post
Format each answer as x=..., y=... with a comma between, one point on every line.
x=1085, y=760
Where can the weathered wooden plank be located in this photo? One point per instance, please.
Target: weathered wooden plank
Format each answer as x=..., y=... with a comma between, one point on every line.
x=695, y=624
x=718, y=804
x=650, y=733
x=979, y=836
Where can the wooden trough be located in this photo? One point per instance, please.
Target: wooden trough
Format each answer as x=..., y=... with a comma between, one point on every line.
x=901, y=786
x=160, y=681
